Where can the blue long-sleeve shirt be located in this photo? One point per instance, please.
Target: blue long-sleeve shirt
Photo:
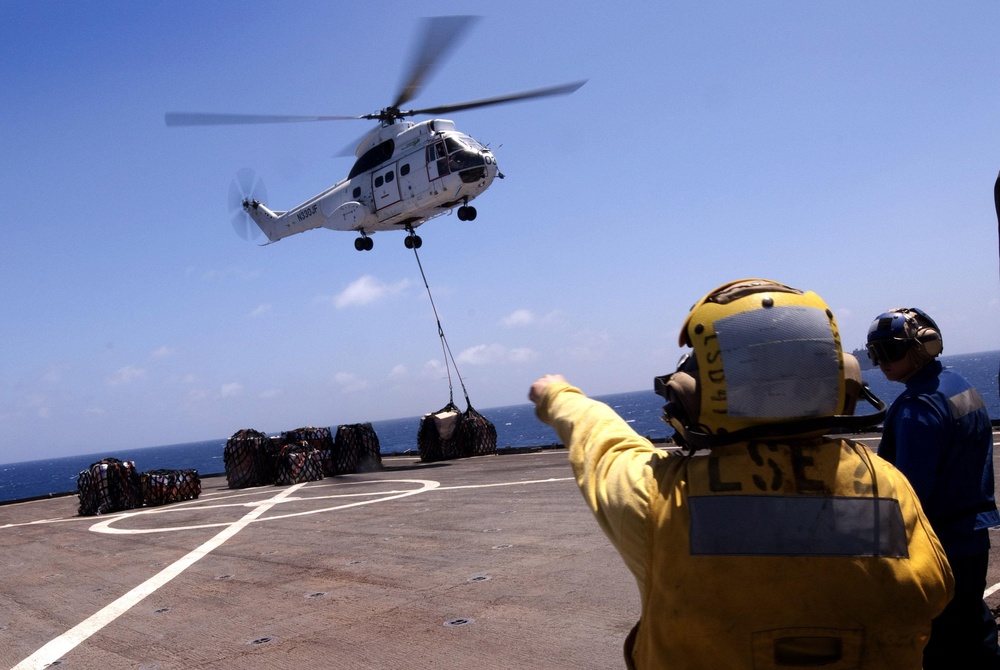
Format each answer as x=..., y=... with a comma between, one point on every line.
x=938, y=434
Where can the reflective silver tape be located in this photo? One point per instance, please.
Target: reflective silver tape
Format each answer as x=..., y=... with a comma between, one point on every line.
x=796, y=526
x=966, y=402
x=779, y=363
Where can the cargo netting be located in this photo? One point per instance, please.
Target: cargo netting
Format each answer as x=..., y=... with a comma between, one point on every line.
x=109, y=485
x=449, y=433
x=250, y=457
x=356, y=449
x=319, y=439
x=161, y=487
x=297, y=463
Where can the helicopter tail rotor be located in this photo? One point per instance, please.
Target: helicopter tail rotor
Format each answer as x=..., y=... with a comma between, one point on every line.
x=245, y=189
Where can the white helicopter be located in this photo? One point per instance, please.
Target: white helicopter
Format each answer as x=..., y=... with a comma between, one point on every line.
x=406, y=173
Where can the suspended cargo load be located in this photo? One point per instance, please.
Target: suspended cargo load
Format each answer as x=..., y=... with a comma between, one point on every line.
x=481, y=434
x=449, y=434
x=356, y=449
x=109, y=485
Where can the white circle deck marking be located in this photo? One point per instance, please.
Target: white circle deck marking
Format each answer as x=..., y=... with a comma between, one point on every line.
x=58, y=647
x=425, y=485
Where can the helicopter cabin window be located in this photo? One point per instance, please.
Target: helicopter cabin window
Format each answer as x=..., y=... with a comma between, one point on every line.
x=372, y=158
x=389, y=176
x=404, y=169
x=356, y=193
x=378, y=181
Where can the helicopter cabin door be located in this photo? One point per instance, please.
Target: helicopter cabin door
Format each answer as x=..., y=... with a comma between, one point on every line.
x=437, y=161
x=385, y=186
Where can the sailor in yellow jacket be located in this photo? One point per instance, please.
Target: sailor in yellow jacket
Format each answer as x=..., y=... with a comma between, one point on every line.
x=778, y=547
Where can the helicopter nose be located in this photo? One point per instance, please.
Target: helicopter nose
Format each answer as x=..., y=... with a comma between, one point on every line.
x=491, y=165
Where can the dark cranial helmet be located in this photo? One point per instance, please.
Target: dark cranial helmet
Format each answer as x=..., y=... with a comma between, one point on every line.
x=896, y=332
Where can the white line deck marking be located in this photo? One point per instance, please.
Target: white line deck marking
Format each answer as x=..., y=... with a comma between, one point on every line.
x=58, y=647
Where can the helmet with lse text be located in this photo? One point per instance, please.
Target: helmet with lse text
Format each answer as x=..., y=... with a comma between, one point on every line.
x=766, y=361
x=899, y=331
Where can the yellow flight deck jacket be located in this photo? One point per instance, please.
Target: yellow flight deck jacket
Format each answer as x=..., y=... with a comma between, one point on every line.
x=798, y=553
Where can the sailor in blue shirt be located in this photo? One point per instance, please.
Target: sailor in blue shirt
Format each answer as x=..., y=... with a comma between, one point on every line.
x=938, y=434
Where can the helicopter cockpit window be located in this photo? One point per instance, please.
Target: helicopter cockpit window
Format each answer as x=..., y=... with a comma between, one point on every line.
x=453, y=145
x=373, y=158
x=435, y=152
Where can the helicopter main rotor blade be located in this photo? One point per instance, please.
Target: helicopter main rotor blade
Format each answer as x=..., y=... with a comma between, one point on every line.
x=211, y=119
x=441, y=34
x=564, y=89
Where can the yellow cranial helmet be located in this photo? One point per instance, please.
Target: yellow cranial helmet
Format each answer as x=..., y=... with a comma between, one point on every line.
x=766, y=360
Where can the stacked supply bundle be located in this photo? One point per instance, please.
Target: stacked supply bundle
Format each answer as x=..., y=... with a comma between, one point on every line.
x=356, y=449
x=448, y=434
x=319, y=439
x=297, y=463
x=249, y=456
x=109, y=485
x=160, y=487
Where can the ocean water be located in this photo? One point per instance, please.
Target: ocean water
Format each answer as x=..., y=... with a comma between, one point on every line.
x=516, y=427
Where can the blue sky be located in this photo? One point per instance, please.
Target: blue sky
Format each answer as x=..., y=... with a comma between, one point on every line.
x=845, y=147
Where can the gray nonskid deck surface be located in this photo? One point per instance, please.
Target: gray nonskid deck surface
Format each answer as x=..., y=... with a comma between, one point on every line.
x=488, y=562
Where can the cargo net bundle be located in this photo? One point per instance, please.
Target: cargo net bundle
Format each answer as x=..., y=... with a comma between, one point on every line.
x=319, y=439
x=356, y=449
x=298, y=462
x=109, y=485
x=250, y=458
x=161, y=487
x=449, y=433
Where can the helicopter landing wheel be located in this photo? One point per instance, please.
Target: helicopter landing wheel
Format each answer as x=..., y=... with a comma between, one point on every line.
x=413, y=241
x=364, y=243
x=466, y=213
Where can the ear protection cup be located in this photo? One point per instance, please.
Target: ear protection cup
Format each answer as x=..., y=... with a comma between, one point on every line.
x=683, y=394
x=928, y=335
x=852, y=383
x=683, y=403
x=930, y=340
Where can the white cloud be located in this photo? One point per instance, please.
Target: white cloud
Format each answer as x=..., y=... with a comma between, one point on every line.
x=163, y=352
x=520, y=317
x=350, y=382
x=367, y=290
x=433, y=369
x=398, y=372
x=260, y=310
x=125, y=375
x=231, y=389
x=492, y=354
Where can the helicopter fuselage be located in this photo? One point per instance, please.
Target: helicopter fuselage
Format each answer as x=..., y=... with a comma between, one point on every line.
x=405, y=174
